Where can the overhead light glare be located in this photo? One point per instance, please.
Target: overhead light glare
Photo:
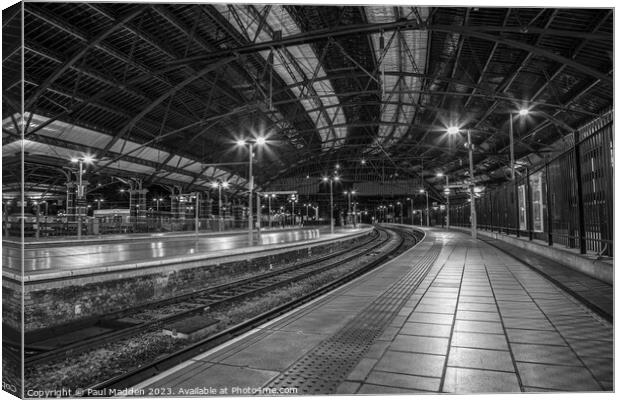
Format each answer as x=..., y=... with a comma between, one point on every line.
x=453, y=130
x=523, y=111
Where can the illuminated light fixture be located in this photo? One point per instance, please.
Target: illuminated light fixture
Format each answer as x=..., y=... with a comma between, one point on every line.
x=363, y=161
x=241, y=142
x=260, y=140
x=73, y=159
x=225, y=184
x=88, y=159
x=325, y=179
x=453, y=130
x=337, y=166
x=439, y=174
x=523, y=111
x=421, y=190
x=336, y=178
x=214, y=185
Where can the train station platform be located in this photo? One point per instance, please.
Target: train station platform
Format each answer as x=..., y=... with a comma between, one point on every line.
x=47, y=259
x=71, y=282
x=452, y=315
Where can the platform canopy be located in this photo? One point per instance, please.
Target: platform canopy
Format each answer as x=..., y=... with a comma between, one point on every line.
x=162, y=92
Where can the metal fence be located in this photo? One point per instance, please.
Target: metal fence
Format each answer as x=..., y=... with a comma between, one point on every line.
x=567, y=201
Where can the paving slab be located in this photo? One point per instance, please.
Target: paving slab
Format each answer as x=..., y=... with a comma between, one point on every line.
x=464, y=380
x=411, y=363
x=480, y=340
x=404, y=381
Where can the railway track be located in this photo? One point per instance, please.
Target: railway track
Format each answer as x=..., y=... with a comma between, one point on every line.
x=153, y=316
x=392, y=246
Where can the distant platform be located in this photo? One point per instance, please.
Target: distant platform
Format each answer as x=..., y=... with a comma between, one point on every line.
x=69, y=256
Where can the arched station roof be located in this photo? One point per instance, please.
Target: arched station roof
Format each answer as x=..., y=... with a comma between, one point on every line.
x=161, y=92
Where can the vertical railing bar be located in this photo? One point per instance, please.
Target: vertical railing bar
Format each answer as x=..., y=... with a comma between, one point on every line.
x=580, y=208
x=549, y=207
x=529, y=218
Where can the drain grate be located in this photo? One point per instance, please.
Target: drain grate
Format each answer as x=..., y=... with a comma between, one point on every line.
x=326, y=366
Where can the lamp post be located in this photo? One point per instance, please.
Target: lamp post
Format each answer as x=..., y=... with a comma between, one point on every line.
x=80, y=189
x=454, y=130
x=447, y=192
x=401, y=211
x=522, y=112
x=348, y=193
x=411, y=205
x=354, y=212
x=269, y=196
x=331, y=199
x=259, y=141
x=428, y=219
x=293, y=219
x=219, y=185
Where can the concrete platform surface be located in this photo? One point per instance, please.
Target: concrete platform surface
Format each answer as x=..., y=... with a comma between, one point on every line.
x=451, y=315
x=71, y=255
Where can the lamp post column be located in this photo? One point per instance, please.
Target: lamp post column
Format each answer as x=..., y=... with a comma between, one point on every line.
x=331, y=206
x=269, y=201
x=411, y=210
x=250, y=215
x=219, y=205
x=512, y=151
x=448, y=202
x=80, y=195
x=428, y=211
x=196, y=216
x=259, y=215
x=474, y=231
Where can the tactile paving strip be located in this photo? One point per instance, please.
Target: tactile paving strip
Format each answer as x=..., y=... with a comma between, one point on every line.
x=322, y=369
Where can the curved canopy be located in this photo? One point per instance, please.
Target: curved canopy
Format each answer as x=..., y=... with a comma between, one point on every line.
x=161, y=92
